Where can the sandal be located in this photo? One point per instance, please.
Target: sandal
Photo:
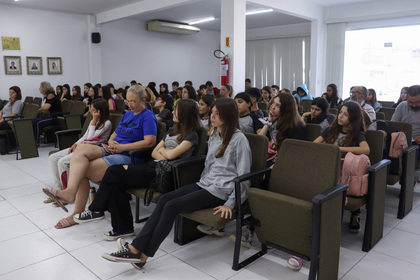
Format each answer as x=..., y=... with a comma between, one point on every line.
x=51, y=192
x=295, y=263
x=63, y=223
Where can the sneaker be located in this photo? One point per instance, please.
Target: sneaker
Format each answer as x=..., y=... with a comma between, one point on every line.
x=212, y=230
x=294, y=263
x=88, y=216
x=123, y=255
x=246, y=238
x=112, y=235
x=121, y=244
x=354, y=225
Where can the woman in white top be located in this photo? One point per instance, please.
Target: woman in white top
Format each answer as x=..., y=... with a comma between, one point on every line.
x=100, y=128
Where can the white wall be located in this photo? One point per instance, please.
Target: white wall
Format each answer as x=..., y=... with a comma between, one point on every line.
x=130, y=52
x=45, y=34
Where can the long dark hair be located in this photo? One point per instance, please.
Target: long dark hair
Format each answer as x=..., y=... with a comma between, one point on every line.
x=191, y=92
x=101, y=105
x=188, y=119
x=334, y=96
x=89, y=85
x=95, y=94
x=357, y=126
x=68, y=95
x=373, y=100
x=106, y=93
x=78, y=94
x=323, y=105
x=18, y=93
x=289, y=118
x=406, y=92
x=229, y=115
x=166, y=91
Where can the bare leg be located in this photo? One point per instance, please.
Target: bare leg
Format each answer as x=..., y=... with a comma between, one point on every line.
x=80, y=165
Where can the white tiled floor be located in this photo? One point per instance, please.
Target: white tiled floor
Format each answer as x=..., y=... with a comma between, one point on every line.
x=31, y=248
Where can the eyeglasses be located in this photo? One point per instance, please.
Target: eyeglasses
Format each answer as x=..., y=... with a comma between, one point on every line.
x=132, y=102
x=356, y=92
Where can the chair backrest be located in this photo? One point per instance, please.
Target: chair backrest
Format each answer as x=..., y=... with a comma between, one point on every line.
x=263, y=105
x=115, y=120
x=375, y=140
x=86, y=123
x=333, y=111
x=407, y=128
x=28, y=99
x=388, y=113
x=201, y=147
x=66, y=105
x=386, y=104
x=78, y=108
x=380, y=115
x=312, y=131
x=30, y=111
x=306, y=104
x=304, y=169
x=161, y=130
x=120, y=104
x=259, y=148
x=37, y=100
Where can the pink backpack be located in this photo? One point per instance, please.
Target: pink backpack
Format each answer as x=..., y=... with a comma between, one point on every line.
x=398, y=144
x=355, y=174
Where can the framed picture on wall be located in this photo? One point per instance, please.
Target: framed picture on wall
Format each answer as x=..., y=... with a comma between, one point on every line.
x=12, y=65
x=54, y=65
x=34, y=65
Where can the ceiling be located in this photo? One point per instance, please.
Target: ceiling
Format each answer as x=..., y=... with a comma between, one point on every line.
x=184, y=13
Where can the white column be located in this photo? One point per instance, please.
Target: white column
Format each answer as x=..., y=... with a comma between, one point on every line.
x=94, y=53
x=317, y=58
x=233, y=29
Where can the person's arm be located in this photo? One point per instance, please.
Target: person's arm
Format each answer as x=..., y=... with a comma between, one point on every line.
x=305, y=115
x=148, y=142
x=176, y=152
x=397, y=116
x=110, y=105
x=320, y=139
x=44, y=108
x=362, y=149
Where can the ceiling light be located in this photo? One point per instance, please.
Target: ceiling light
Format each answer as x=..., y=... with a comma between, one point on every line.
x=201, y=20
x=259, y=12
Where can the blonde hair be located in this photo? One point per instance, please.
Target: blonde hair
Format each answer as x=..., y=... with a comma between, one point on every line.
x=150, y=95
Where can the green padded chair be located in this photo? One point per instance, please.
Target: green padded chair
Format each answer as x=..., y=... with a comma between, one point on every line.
x=73, y=120
x=263, y=106
x=189, y=171
x=312, y=131
x=28, y=99
x=120, y=104
x=37, y=101
x=333, y=111
x=66, y=138
x=409, y=162
x=306, y=104
x=375, y=199
x=302, y=215
x=380, y=116
x=23, y=129
x=388, y=112
x=386, y=104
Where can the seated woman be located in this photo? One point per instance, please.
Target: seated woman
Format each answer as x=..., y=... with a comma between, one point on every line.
x=136, y=130
x=93, y=93
x=112, y=196
x=403, y=97
x=283, y=122
x=371, y=99
x=77, y=95
x=66, y=95
x=51, y=104
x=229, y=156
x=99, y=128
x=12, y=108
x=332, y=96
x=319, y=114
x=105, y=93
x=204, y=107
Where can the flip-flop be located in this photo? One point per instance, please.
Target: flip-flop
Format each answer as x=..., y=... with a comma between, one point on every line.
x=63, y=223
x=51, y=192
x=49, y=200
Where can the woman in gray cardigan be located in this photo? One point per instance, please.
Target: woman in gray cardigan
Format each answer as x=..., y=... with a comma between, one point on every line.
x=229, y=156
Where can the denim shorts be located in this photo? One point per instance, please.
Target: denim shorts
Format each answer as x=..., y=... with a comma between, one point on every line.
x=115, y=159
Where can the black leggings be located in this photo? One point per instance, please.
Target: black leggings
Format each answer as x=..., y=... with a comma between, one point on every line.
x=112, y=195
x=186, y=199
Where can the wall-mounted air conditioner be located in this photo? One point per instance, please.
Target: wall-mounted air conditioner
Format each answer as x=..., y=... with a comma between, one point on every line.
x=169, y=27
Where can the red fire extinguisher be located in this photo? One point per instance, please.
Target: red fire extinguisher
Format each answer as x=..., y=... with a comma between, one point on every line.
x=224, y=70
x=224, y=66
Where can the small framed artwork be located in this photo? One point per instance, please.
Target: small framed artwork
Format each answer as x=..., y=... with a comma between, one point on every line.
x=34, y=65
x=12, y=65
x=54, y=65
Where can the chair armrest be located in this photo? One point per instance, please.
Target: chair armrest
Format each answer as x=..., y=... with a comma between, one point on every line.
x=178, y=164
x=56, y=114
x=133, y=153
x=329, y=193
x=10, y=118
x=379, y=165
x=68, y=132
x=24, y=119
x=410, y=149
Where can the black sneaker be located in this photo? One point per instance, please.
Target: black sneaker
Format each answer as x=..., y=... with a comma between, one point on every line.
x=123, y=255
x=354, y=225
x=121, y=244
x=88, y=216
x=112, y=235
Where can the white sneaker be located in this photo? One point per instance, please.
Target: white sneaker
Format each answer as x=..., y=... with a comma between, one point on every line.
x=246, y=238
x=212, y=230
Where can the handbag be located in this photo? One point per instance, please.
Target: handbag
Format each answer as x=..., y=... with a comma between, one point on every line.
x=272, y=152
x=163, y=181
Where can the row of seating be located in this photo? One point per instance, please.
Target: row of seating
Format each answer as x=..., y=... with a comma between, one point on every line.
x=320, y=238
